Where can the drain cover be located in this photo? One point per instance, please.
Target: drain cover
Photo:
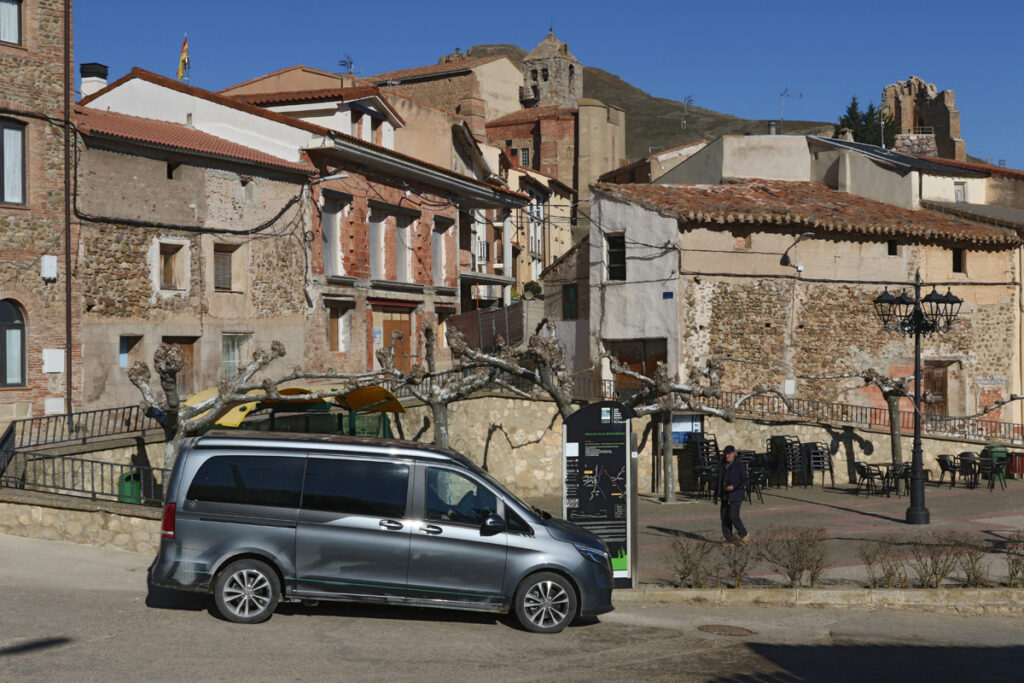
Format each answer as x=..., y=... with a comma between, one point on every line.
x=725, y=630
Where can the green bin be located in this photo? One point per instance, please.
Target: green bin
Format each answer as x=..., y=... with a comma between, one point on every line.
x=997, y=453
x=129, y=488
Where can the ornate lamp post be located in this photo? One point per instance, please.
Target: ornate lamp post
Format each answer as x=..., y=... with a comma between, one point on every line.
x=916, y=317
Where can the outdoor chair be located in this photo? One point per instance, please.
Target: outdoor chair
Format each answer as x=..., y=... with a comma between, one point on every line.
x=897, y=474
x=869, y=477
x=947, y=466
x=993, y=469
x=967, y=468
x=756, y=482
x=819, y=459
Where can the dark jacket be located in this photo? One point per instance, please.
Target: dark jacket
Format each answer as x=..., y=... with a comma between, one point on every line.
x=734, y=474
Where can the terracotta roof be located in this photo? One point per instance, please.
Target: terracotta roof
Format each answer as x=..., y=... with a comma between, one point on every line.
x=650, y=157
x=313, y=128
x=175, y=136
x=805, y=204
x=977, y=166
x=432, y=70
x=550, y=47
x=535, y=114
x=344, y=94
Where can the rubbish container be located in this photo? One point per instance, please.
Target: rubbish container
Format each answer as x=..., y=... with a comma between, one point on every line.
x=997, y=453
x=129, y=488
x=1016, y=465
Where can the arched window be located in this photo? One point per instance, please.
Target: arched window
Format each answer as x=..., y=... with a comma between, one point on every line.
x=12, y=345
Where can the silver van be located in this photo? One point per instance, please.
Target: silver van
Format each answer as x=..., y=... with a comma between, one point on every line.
x=257, y=517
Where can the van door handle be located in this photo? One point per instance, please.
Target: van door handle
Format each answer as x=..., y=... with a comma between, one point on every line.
x=389, y=524
x=430, y=529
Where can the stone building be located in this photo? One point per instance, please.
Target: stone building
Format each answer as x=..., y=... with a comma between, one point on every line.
x=186, y=238
x=552, y=76
x=372, y=249
x=39, y=350
x=681, y=273
x=928, y=120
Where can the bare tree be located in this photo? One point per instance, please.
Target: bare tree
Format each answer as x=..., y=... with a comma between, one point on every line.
x=180, y=420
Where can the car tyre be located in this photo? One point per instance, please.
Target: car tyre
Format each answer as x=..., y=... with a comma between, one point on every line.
x=247, y=592
x=545, y=603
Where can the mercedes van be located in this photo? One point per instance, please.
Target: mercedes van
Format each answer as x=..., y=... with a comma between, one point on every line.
x=257, y=518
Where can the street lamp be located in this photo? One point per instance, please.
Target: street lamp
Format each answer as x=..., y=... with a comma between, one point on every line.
x=916, y=316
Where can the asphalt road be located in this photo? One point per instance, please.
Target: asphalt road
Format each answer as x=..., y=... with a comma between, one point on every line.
x=77, y=613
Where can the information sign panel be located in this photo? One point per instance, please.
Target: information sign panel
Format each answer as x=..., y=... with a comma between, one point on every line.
x=597, y=481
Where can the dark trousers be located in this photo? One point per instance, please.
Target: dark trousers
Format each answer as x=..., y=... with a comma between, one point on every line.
x=731, y=519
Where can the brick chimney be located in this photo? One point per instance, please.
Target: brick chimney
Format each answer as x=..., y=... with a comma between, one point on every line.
x=472, y=110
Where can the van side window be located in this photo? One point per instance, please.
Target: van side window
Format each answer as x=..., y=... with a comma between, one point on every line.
x=356, y=487
x=452, y=497
x=248, y=480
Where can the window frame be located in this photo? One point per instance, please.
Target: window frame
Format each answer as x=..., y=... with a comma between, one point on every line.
x=238, y=363
x=297, y=464
x=427, y=516
x=613, y=267
x=309, y=501
x=575, y=309
x=959, y=264
x=19, y=24
x=339, y=318
x=174, y=252
x=22, y=128
x=22, y=327
x=221, y=251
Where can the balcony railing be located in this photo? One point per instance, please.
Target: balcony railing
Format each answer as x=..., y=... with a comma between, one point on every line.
x=93, y=479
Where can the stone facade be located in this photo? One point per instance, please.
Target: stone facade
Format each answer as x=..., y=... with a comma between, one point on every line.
x=916, y=143
x=201, y=208
x=920, y=110
x=32, y=96
x=552, y=76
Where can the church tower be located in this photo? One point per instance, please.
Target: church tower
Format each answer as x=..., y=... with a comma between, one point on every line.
x=552, y=76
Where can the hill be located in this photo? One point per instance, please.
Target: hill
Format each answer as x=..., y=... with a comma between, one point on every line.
x=655, y=122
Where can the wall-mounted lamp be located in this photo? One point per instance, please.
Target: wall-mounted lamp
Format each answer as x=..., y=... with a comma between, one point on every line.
x=784, y=261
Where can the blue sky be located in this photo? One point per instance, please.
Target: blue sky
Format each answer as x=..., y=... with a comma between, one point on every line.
x=735, y=57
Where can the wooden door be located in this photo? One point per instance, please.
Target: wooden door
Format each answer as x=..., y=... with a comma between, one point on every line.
x=935, y=388
x=400, y=321
x=186, y=378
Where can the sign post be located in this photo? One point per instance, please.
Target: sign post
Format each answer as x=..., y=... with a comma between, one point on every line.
x=598, y=484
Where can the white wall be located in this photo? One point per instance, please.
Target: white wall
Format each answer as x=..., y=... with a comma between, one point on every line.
x=941, y=188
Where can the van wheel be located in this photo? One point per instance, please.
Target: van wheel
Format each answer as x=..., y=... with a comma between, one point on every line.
x=247, y=592
x=545, y=603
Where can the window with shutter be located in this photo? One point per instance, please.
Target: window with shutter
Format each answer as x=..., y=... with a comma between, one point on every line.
x=222, y=269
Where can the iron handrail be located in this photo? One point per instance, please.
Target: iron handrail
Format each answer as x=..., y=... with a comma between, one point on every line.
x=80, y=427
x=93, y=479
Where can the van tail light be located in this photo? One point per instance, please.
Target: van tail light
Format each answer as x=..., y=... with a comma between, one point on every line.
x=167, y=527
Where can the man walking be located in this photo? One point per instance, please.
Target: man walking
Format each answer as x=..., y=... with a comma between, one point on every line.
x=731, y=489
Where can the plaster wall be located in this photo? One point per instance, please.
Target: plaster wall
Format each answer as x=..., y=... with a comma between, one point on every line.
x=941, y=188
x=703, y=167
x=662, y=162
x=142, y=98
x=644, y=305
x=778, y=157
x=1005, y=191
x=427, y=134
x=499, y=83
x=861, y=176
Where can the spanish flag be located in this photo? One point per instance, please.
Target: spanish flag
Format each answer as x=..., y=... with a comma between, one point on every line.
x=183, y=59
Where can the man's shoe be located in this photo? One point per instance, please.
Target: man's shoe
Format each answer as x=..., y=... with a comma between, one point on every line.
x=726, y=541
x=742, y=540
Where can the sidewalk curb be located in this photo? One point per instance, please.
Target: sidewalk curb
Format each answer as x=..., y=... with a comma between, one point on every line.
x=958, y=600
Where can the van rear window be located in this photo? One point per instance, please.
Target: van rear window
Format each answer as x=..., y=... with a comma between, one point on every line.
x=356, y=487
x=249, y=480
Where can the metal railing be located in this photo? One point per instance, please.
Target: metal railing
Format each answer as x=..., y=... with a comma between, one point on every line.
x=93, y=479
x=80, y=427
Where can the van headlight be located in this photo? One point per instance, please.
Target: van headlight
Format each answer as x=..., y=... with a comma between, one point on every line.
x=593, y=554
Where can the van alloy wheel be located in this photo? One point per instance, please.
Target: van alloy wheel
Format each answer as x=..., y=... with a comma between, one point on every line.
x=247, y=592
x=545, y=603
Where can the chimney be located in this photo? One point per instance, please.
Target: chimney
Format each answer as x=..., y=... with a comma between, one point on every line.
x=472, y=110
x=94, y=78
x=771, y=128
x=846, y=134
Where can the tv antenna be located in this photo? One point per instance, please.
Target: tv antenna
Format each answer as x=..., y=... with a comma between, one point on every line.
x=347, y=63
x=687, y=101
x=782, y=99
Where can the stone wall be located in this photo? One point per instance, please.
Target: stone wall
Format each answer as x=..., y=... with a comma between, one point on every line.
x=32, y=95
x=63, y=518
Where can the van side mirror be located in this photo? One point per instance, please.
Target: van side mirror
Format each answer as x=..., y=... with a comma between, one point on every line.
x=494, y=524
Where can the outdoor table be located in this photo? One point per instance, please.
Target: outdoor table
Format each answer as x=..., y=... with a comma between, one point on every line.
x=968, y=466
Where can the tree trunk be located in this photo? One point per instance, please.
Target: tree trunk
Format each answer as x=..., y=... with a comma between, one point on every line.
x=893, y=402
x=439, y=411
x=171, y=447
x=666, y=458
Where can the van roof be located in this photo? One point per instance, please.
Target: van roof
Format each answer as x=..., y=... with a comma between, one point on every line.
x=327, y=443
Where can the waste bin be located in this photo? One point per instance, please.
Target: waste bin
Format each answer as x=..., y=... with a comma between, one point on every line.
x=997, y=453
x=129, y=488
x=1015, y=466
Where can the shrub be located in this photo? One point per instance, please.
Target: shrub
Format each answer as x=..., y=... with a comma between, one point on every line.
x=971, y=558
x=734, y=562
x=935, y=558
x=891, y=562
x=794, y=552
x=871, y=554
x=1015, y=559
x=688, y=558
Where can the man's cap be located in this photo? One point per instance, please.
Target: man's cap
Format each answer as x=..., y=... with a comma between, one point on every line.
x=728, y=449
